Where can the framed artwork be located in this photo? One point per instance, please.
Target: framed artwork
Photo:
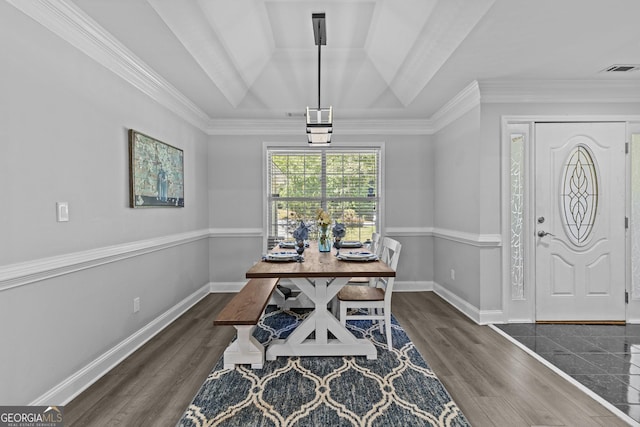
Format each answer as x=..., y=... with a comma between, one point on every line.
x=156, y=173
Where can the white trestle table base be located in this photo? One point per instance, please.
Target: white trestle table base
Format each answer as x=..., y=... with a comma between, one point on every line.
x=320, y=322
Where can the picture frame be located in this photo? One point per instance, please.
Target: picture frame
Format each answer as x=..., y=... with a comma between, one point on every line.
x=156, y=172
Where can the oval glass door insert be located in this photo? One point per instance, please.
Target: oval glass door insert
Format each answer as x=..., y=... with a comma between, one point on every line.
x=579, y=195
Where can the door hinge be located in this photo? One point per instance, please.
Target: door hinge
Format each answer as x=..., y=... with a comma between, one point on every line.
x=626, y=297
x=626, y=222
x=626, y=148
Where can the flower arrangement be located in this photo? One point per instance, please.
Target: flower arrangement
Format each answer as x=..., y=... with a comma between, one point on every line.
x=324, y=220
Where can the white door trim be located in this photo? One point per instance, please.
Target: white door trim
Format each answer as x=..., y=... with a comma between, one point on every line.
x=523, y=310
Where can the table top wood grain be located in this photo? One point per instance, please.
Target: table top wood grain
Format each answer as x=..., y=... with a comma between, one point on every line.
x=319, y=264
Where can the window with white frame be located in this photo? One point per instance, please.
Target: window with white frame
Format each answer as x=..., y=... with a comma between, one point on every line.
x=345, y=182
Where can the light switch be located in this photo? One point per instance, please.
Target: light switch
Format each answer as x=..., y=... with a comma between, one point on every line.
x=62, y=209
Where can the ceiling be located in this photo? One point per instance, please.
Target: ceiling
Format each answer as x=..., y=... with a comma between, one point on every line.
x=256, y=59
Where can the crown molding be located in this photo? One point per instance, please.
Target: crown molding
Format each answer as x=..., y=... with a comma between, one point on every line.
x=297, y=127
x=560, y=91
x=385, y=127
x=74, y=26
x=467, y=99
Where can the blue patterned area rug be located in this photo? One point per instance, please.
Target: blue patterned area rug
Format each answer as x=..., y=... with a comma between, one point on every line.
x=397, y=389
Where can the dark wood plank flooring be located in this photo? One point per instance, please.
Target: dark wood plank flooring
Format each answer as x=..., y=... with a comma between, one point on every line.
x=494, y=382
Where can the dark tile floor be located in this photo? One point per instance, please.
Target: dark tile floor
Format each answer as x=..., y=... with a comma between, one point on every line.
x=603, y=358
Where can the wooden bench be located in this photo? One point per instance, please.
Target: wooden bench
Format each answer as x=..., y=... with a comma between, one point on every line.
x=244, y=312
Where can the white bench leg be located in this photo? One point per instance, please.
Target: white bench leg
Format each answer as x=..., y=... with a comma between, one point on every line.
x=244, y=350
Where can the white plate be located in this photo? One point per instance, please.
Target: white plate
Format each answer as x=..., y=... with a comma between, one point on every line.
x=358, y=256
x=351, y=244
x=289, y=245
x=282, y=256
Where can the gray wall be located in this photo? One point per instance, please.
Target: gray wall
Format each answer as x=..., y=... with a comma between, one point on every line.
x=236, y=186
x=457, y=205
x=457, y=174
x=63, y=131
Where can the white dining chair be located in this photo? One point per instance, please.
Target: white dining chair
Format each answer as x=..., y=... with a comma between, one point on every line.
x=376, y=299
x=375, y=248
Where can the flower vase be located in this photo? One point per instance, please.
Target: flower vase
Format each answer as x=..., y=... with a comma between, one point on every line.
x=324, y=241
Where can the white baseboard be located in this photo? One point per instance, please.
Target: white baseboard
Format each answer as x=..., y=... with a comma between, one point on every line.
x=463, y=306
x=488, y=317
x=68, y=389
x=481, y=317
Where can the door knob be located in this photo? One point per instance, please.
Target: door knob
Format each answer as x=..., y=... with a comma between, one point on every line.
x=542, y=233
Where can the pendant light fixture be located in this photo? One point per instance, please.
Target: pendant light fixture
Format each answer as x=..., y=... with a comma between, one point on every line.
x=320, y=120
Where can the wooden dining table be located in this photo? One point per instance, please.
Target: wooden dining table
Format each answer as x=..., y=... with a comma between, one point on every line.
x=320, y=277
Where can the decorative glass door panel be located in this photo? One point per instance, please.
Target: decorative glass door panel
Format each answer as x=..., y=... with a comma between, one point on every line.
x=579, y=195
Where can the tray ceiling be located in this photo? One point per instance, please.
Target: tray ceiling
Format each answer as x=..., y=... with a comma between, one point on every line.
x=384, y=59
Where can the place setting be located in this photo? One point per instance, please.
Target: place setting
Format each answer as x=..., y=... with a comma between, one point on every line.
x=301, y=236
x=363, y=256
x=339, y=231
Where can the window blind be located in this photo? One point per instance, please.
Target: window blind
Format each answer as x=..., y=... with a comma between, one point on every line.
x=343, y=182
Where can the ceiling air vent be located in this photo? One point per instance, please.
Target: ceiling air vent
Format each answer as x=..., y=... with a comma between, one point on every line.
x=620, y=68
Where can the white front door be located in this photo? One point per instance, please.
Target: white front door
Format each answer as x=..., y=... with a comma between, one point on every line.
x=580, y=221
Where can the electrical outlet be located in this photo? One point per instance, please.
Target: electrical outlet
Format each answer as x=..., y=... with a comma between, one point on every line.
x=136, y=304
x=453, y=274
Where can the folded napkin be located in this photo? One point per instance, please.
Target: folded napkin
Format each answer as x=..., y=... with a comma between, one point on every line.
x=339, y=230
x=302, y=232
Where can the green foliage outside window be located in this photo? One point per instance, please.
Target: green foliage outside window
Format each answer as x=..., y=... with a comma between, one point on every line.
x=344, y=183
